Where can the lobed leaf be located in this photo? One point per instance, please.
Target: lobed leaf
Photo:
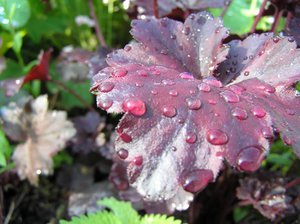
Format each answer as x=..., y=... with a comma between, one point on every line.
x=181, y=122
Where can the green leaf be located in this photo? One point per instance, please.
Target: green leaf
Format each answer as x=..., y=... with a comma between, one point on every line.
x=63, y=157
x=14, y=13
x=122, y=210
x=159, y=219
x=12, y=70
x=104, y=217
x=18, y=42
x=5, y=149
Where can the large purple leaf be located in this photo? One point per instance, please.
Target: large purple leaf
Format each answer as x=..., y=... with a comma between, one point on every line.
x=177, y=129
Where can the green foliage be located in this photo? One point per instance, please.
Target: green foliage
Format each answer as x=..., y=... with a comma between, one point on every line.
x=241, y=14
x=5, y=149
x=14, y=13
x=62, y=157
x=120, y=213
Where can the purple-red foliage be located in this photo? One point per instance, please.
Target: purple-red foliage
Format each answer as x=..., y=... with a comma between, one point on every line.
x=191, y=102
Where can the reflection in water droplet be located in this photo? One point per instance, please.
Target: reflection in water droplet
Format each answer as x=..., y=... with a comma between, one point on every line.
x=173, y=93
x=240, y=113
x=169, y=111
x=193, y=104
x=105, y=104
x=119, y=72
x=196, y=180
x=191, y=138
x=134, y=106
x=250, y=158
x=230, y=97
x=258, y=112
x=122, y=153
x=106, y=87
x=186, y=75
x=204, y=87
x=216, y=137
x=125, y=137
x=267, y=132
x=138, y=161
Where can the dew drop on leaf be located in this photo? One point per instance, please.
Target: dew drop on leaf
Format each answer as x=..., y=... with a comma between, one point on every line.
x=134, y=106
x=249, y=159
x=169, y=111
x=122, y=153
x=217, y=137
x=197, y=180
x=240, y=113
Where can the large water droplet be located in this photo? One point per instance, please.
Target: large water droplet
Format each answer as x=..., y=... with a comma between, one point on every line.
x=197, y=180
x=119, y=72
x=105, y=104
x=217, y=137
x=240, y=113
x=122, y=153
x=169, y=111
x=258, y=112
x=138, y=160
x=127, y=48
x=230, y=97
x=191, y=138
x=267, y=132
x=267, y=88
x=106, y=87
x=134, y=106
x=193, y=104
x=125, y=137
x=213, y=82
x=204, y=87
x=186, y=75
x=250, y=158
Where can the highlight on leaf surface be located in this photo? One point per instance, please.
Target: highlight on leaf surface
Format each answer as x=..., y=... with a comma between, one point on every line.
x=191, y=102
x=42, y=132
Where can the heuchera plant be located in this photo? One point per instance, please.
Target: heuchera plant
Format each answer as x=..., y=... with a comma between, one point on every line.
x=191, y=103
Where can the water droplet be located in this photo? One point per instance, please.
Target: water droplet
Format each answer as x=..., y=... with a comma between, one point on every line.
x=250, y=158
x=287, y=140
x=154, y=92
x=267, y=88
x=237, y=89
x=246, y=73
x=173, y=37
x=105, y=104
x=204, y=87
x=134, y=106
x=240, y=113
x=120, y=72
x=230, y=97
x=169, y=111
x=212, y=101
x=142, y=72
x=258, y=112
x=173, y=93
x=213, y=82
x=290, y=111
x=186, y=75
x=173, y=148
x=168, y=82
x=125, y=137
x=164, y=51
x=106, y=87
x=216, y=137
x=197, y=180
x=193, y=104
x=122, y=153
x=261, y=53
x=276, y=40
x=120, y=184
x=180, y=120
x=127, y=48
x=267, y=132
x=186, y=30
x=139, y=84
x=291, y=39
x=191, y=138
x=138, y=160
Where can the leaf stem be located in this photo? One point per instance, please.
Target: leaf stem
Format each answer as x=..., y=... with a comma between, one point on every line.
x=278, y=15
x=71, y=91
x=97, y=25
x=155, y=9
x=258, y=16
x=227, y=4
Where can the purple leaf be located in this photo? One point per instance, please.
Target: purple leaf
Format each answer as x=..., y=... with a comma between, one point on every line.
x=178, y=128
